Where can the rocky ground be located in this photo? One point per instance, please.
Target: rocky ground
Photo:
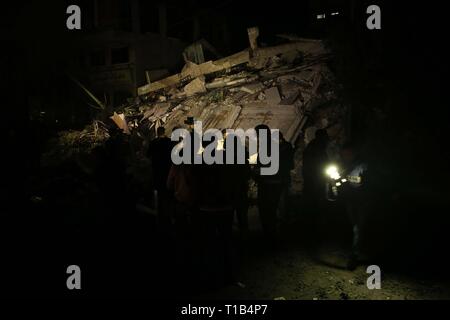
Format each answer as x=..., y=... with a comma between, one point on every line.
x=290, y=272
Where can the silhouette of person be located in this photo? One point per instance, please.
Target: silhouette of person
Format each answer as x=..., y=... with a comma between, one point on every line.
x=159, y=151
x=241, y=175
x=315, y=161
x=269, y=187
x=214, y=218
x=286, y=165
x=356, y=196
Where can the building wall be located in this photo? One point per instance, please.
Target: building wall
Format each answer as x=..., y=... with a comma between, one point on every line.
x=116, y=61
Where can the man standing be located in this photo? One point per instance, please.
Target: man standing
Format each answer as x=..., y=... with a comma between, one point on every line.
x=286, y=165
x=357, y=197
x=214, y=219
x=241, y=175
x=159, y=151
x=270, y=187
x=315, y=160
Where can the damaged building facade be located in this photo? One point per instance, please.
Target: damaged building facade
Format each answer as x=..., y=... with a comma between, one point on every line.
x=117, y=62
x=115, y=55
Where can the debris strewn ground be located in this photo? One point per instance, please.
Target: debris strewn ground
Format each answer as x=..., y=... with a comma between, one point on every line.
x=291, y=273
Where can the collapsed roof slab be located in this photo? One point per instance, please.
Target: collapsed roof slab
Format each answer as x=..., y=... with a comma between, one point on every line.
x=196, y=70
x=286, y=118
x=255, y=59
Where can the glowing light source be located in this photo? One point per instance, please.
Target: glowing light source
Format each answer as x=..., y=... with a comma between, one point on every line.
x=253, y=159
x=220, y=144
x=332, y=172
x=321, y=16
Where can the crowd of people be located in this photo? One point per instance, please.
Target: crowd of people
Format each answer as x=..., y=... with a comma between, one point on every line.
x=203, y=200
x=198, y=203
x=187, y=222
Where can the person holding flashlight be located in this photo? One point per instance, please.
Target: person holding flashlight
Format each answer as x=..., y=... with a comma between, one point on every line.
x=356, y=197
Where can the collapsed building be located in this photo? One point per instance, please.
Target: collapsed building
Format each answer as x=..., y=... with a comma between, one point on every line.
x=287, y=87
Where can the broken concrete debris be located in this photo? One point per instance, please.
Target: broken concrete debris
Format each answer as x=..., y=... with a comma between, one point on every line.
x=252, y=88
x=243, y=90
x=195, y=86
x=288, y=87
x=253, y=34
x=277, y=85
x=272, y=95
x=119, y=120
x=255, y=57
x=70, y=143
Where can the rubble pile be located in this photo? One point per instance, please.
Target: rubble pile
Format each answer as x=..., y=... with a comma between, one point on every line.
x=288, y=87
x=279, y=86
x=71, y=143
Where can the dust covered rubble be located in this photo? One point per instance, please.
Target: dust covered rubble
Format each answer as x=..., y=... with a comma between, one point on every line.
x=282, y=93
x=288, y=87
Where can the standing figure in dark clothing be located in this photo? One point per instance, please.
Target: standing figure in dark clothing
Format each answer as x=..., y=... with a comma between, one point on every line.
x=357, y=198
x=159, y=151
x=241, y=175
x=286, y=165
x=214, y=219
x=111, y=175
x=315, y=161
x=270, y=186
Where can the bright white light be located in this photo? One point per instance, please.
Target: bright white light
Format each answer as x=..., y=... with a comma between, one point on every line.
x=253, y=158
x=333, y=173
x=220, y=144
x=321, y=16
x=344, y=180
x=334, y=13
x=338, y=184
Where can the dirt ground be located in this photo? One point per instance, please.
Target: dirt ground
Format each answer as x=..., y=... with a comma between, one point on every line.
x=290, y=272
